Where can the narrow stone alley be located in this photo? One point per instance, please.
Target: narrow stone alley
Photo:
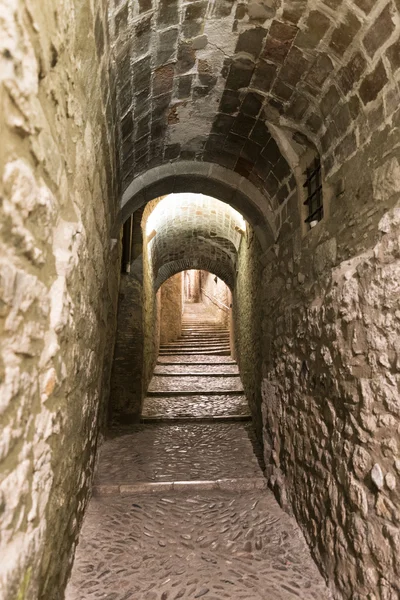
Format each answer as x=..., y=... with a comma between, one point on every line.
x=180, y=506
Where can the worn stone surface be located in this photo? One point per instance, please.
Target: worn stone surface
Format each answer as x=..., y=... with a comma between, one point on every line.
x=193, y=546
x=171, y=309
x=59, y=274
x=206, y=451
x=247, y=319
x=198, y=406
x=227, y=75
x=194, y=383
x=194, y=518
x=219, y=368
x=330, y=379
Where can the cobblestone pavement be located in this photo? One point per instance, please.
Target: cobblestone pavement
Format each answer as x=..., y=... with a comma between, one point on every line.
x=181, y=510
x=194, y=369
x=195, y=383
x=196, y=406
x=210, y=545
x=195, y=358
x=176, y=452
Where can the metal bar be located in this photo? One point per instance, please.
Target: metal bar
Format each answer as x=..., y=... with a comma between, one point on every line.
x=214, y=299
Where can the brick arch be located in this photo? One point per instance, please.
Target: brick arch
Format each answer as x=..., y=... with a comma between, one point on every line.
x=204, y=82
x=193, y=231
x=204, y=263
x=203, y=178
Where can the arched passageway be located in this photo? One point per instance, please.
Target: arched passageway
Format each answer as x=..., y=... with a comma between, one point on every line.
x=286, y=110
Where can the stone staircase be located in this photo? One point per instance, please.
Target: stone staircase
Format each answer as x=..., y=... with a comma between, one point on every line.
x=195, y=378
x=180, y=508
x=199, y=337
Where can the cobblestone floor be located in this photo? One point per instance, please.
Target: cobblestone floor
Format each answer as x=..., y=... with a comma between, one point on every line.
x=173, y=452
x=196, y=406
x=194, y=369
x=195, y=383
x=195, y=358
x=211, y=545
x=146, y=537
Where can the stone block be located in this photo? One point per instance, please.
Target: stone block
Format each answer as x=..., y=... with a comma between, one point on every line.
x=373, y=83
x=168, y=13
x=251, y=105
x=163, y=79
x=186, y=57
x=230, y=102
x=320, y=71
x=240, y=74
x=329, y=101
x=393, y=54
x=316, y=27
x=243, y=124
x=345, y=33
x=264, y=76
x=351, y=73
x=297, y=107
x=379, y=32
x=142, y=36
x=167, y=46
x=184, y=86
x=260, y=133
x=141, y=74
x=282, y=91
x=251, y=41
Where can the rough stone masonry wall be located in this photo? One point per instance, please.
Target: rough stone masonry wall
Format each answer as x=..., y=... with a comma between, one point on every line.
x=151, y=305
x=247, y=312
x=331, y=374
x=171, y=309
x=58, y=281
x=215, y=290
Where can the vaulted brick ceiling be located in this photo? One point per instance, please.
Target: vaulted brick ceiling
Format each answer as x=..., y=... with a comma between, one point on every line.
x=193, y=231
x=212, y=81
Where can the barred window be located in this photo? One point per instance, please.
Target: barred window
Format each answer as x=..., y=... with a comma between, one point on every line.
x=314, y=199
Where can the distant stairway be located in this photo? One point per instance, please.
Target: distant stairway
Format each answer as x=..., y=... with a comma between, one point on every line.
x=195, y=378
x=180, y=508
x=201, y=334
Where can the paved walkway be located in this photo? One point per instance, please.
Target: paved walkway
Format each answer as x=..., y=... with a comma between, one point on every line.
x=180, y=506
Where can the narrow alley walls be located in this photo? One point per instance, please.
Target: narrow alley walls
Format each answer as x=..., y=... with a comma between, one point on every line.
x=58, y=281
x=247, y=315
x=171, y=309
x=331, y=376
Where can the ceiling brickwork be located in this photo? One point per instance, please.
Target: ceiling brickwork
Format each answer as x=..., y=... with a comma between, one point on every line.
x=192, y=231
x=205, y=80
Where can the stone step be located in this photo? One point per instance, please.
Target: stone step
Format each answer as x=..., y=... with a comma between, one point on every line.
x=195, y=346
x=161, y=418
x=198, y=359
x=205, y=353
x=196, y=374
x=194, y=384
x=180, y=452
x=217, y=369
x=197, y=406
x=233, y=484
x=194, y=349
x=193, y=392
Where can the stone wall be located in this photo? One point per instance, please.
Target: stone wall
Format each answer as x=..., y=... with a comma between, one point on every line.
x=247, y=315
x=215, y=290
x=127, y=393
x=151, y=305
x=59, y=273
x=331, y=374
x=171, y=309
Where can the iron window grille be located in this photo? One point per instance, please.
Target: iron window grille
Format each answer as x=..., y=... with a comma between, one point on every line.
x=313, y=184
